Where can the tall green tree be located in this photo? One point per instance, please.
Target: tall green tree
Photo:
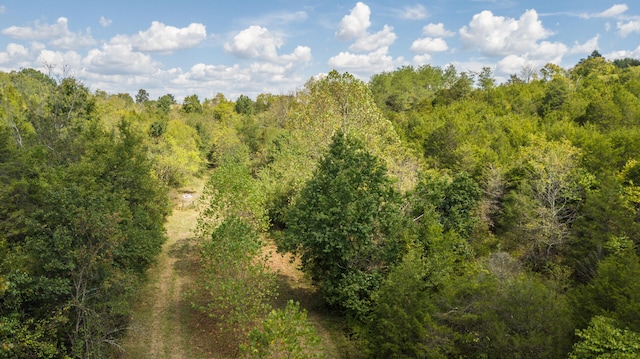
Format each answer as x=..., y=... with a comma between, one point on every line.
x=346, y=225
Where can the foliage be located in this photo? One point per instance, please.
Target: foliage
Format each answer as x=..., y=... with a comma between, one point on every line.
x=244, y=105
x=603, y=339
x=346, y=225
x=232, y=191
x=142, y=96
x=165, y=102
x=284, y=333
x=191, y=104
x=614, y=292
x=82, y=218
x=235, y=276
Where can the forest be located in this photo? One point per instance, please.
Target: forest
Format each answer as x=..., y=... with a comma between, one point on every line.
x=437, y=213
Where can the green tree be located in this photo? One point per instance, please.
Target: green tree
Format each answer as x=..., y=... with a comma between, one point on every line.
x=603, y=339
x=284, y=333
x=614, y=292
x=165, y=102
x=346, y=225
x=142, y=96
x=191, y=104
x=244, y=105
x=235, y=276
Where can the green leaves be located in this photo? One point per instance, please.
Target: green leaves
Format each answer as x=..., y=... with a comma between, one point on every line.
x=346, y=225
x=284, y=333
x=604, y=339
x=236, y=276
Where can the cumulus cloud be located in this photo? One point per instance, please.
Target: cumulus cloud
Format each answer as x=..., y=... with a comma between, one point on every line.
x=614, y=11
x=519, y=42
x=421, y=59
x=163, y=38
x=258, y=42
x=119, y=59
x=436, y=30
x=429, y=45
x=626, y=28
x=57, y=34
x=624, y=54
x=255, y=41
x=587, y=47
x=373, y=48
x=71, y=59
x=417, y=12
x=500, y=36
x=105, y=22
x=433, y=42
x=3, y=9
x=356, y=23
x=13, y=51
x=253, y=80
x=373, y=62
x=371, y=42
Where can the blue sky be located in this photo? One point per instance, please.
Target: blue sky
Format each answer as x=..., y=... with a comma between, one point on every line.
x=252, y=47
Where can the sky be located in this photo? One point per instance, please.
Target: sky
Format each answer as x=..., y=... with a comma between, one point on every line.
x=239, y=47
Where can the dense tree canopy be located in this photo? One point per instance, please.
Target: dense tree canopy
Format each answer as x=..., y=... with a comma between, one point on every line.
x=439, y=213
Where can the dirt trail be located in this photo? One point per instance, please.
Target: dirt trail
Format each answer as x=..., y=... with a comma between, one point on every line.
x=160, y=325
x=164, y=324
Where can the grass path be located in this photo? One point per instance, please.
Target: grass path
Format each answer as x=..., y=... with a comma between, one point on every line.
x=165, y=326
x=161, y=326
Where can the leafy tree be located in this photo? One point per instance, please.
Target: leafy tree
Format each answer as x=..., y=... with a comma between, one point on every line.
x=603, y=339
x=284, y=333
x=454, y=200
x=614, y=292
x=516, y=317
x=244, y=105
x=235, y=276
x=164, y=103
x=626, y=63
x=485, y=79
x=191, y=104
x=548, y=199
x=142, y=96
x=346, y=225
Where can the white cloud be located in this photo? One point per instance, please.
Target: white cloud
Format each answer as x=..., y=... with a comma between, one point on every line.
x=3, y=9
x=587, y=47
x=375, y=47
x=120, y=59
x=356, y=23
x=624, y=54
x=373, y=62
x=13, y=51
x=437, y=30
x=355, y=26
x=70, y=59
x=299, y=54
x=500, y=36
x=613, y=11
x=162, y=38
x=417, y=12
x=255, y=41
x=626, y=28
x=420, y=60
x=429, y=45
x=371, y=42
x=235, y=80
x=258, y=42
x=57, y=34
x=105, y=22
x=512, y=64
